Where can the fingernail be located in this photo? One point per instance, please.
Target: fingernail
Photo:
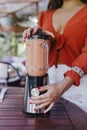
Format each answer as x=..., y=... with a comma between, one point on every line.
x=25, y=37
x=34, y=109
x=38, y=87
x=28, y=35
x=33, y=32
x=30, y=102
x=44, y=112
x=31, y=99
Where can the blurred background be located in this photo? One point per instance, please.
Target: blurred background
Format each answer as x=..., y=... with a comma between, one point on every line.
x=15, y=17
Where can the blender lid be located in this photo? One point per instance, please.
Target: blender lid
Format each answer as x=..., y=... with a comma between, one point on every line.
x=40, y=35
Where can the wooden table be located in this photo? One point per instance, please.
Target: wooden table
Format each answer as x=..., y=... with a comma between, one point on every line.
x=12, y=117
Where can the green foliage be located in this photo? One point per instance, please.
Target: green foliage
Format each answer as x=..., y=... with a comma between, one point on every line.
x=10, y=44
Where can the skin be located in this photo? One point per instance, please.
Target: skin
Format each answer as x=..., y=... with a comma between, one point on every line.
x=51, y=96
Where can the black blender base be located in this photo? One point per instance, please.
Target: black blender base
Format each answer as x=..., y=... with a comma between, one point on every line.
x=32, y=82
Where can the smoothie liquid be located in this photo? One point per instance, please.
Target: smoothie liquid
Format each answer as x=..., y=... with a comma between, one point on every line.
x=37, y=52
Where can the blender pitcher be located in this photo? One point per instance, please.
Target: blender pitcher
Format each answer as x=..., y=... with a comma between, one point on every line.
x=37, y=54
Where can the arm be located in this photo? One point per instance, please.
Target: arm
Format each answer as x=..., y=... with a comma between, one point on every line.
x=79, y=66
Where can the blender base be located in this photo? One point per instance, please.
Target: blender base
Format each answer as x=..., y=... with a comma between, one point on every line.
x=36, y=114
x=32, y=82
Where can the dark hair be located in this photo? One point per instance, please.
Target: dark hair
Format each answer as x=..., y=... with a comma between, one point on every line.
x=54, y=4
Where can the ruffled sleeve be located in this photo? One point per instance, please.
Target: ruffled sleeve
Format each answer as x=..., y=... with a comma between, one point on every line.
x=80, y=62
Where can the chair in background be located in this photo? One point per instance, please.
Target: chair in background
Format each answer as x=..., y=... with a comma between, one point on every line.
x=9, y=75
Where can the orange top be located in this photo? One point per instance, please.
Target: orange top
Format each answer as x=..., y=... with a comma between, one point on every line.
x=72, y=44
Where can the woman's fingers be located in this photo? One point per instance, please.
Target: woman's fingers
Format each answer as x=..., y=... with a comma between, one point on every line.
x=37, y=28
x=49, y=33
x=42, y=89
x=39, y=101
x=27, y=33
x=43, y=105
x=48, y=94
x=49, y=107
x=40, y=97
x=48, y=98
x=32, y=30
x=24, y=35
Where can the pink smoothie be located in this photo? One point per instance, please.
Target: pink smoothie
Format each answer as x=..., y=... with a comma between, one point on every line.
x=37, y=52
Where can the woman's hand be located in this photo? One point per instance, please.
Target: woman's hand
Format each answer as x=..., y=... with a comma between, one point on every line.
x=32, y=30
x=27, y=33
x=49, y=98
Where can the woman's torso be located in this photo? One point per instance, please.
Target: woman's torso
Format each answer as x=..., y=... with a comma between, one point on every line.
x=62, y=16
x=72, y=25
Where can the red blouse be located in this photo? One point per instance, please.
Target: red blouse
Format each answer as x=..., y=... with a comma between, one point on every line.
x=72, y=44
